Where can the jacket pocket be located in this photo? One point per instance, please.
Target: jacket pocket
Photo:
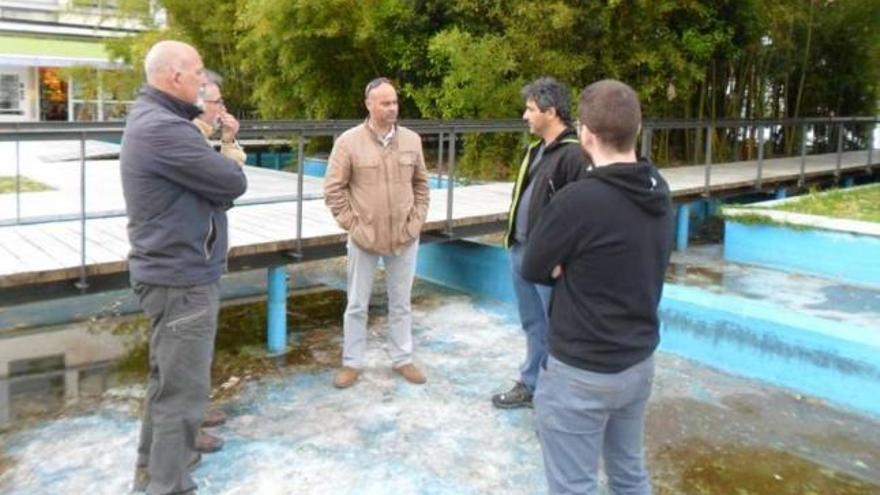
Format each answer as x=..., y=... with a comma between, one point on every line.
x=210, y=238
x=406, y=162
x=196, y=325
x=366, y=174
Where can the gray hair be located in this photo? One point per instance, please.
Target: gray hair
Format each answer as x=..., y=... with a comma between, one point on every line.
x=214, y=78
x=375, y=83
x=548, y=93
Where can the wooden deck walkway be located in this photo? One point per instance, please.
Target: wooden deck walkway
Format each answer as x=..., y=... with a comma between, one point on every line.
x=261, y=235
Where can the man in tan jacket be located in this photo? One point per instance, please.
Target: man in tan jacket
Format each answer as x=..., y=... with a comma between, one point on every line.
x=377, y=189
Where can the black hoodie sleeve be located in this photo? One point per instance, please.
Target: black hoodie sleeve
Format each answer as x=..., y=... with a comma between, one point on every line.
x=555, y=237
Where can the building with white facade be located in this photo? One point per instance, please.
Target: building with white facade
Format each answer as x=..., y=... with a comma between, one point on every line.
x=40, y=40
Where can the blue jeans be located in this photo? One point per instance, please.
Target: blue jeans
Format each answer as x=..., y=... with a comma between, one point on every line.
x=534, y=308
x=581, y=415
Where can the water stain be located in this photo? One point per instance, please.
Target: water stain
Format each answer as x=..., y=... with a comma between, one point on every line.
x=859, y=451
x=735, y=469
x=701, y=276
x=313, y=319
x=5, y=464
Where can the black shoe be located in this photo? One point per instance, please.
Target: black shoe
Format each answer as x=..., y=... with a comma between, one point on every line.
x=518, y=396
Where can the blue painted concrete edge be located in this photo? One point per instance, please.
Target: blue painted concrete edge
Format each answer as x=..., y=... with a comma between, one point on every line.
x=839, y=255
x=829, y=359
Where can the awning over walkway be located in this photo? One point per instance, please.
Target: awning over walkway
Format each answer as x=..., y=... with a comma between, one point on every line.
x=31, y=51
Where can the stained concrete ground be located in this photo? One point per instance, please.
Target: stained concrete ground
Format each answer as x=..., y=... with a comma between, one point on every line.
x=704, y=266
x=291, y=432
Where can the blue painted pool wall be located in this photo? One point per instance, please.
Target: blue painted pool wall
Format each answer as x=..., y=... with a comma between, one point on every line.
x=838, y=255
x=836, y=362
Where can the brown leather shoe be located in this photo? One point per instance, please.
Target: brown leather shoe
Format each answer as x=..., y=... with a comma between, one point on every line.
x=411, y=373
x=207, y=443
x=214, y=417
x=346, y=377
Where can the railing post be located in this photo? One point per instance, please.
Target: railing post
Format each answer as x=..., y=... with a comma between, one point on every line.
x=839, y=149
x=647, y=136
x=682, y=226
x=17, y=182
x=5, y=404
x=440, y=137
x=709, y=133
x=276, y=310
x=82, y=284
x=299, y=193
x=873, y=126
x=759, y=178
x=802, y=178
x=450, y=183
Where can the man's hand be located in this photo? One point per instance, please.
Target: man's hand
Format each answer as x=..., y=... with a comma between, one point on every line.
x=556, y=273
x=230, y=127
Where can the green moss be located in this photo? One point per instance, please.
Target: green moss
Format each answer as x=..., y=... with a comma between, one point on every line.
x=758, y=219
x=729, y=469
x=7, y=185
x=859, y=204
x=240, y=347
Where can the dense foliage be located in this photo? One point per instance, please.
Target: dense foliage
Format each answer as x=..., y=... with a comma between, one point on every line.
x=469, y=58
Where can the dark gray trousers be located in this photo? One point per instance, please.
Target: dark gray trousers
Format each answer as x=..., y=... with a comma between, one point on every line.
x=184, y=324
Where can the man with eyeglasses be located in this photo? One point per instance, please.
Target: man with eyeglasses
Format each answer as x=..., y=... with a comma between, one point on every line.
x=177, y=190
x=214, y=116
x=377, y=189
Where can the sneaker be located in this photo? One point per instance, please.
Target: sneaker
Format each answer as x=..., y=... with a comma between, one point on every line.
x=345, y=377
x=411, y=373
x=207, y=443
x=214, y=417
x=518, y=396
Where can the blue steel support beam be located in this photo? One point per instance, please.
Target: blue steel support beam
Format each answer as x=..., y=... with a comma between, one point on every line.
x=682, y=225
x=781, y=193
x=276, y=308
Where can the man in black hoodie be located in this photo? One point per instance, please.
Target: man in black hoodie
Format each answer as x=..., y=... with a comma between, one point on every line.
x=606, y=242
x=550, y=163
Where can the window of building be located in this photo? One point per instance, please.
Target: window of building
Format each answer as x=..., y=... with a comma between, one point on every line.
x=10, y=94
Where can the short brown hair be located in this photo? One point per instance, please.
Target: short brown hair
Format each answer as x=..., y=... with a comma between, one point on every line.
x=610, y=109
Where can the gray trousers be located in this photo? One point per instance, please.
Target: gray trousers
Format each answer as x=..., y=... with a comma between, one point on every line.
x=582, y=415
x=184, y=324
x=399, y=273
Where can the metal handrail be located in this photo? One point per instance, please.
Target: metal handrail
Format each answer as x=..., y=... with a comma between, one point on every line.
x=446, y=131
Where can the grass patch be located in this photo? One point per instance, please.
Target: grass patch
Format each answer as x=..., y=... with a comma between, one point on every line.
x=758, y=219
x=861, y=204
x=7, y=185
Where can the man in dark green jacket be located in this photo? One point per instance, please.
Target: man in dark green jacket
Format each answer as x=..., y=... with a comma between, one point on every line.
x=550, y=163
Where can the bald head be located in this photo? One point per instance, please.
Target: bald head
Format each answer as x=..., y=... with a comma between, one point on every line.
x=175, y=68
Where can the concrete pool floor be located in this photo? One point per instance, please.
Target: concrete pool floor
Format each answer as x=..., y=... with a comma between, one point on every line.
x=291, y=432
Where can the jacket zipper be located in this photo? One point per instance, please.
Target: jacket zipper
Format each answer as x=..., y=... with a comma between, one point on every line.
x=208, y=237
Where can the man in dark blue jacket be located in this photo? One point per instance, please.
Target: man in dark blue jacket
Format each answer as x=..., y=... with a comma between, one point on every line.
x=605, y=241
x=549, y=164
x=177, y=190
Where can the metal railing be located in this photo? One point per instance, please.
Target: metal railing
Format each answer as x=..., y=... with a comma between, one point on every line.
x=789, y=130
x=448, y=134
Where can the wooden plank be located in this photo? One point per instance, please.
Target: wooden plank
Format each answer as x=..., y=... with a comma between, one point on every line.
x=34, y=253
